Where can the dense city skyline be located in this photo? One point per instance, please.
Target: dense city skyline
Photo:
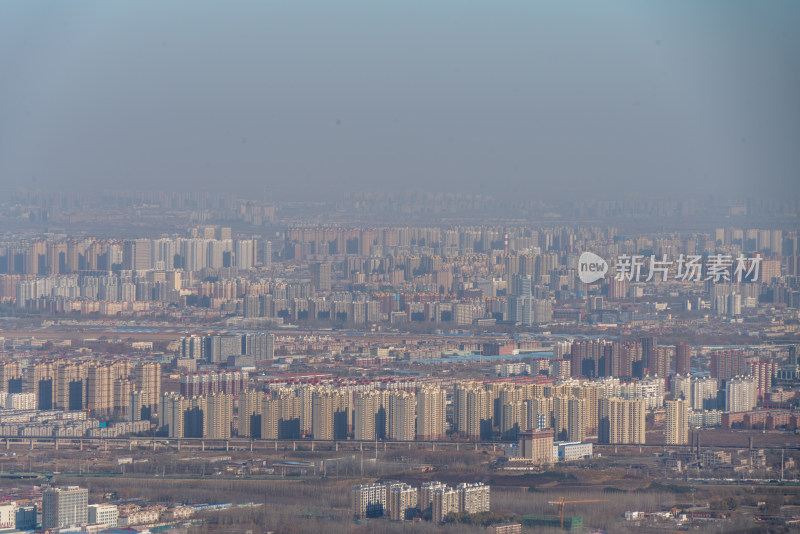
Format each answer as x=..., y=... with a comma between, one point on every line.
x=399, y=267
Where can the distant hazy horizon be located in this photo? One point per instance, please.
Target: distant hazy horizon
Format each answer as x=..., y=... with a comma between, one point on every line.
x=310, y=99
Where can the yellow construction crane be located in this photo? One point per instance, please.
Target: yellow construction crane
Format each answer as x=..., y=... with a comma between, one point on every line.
x=561, y=502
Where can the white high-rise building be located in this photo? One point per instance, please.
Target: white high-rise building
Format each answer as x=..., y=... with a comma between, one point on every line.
x=740, y=394
x=244, y=254
x=681, y=387
x=103, y=514
x=65, y=507
x=267, y=259
x=704, y=393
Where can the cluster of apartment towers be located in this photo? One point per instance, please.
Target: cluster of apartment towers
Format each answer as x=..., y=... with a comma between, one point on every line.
x=399, y=501
x=571, y=410
x=121, y=389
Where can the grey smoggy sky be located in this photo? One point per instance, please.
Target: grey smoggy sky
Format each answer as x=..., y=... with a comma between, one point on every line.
x=546, y=100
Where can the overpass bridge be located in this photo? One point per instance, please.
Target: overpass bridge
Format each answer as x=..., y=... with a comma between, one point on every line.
x=232, y=444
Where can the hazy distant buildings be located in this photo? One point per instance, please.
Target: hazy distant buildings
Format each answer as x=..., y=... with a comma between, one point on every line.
x=136, y=255
x=218, y=348
x=683, y=358
x=321, y=276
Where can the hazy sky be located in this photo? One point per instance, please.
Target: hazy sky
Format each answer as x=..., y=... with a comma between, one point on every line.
x=309, y=98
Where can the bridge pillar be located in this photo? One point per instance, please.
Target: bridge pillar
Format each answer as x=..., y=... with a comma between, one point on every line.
x=56, y=440
x=179, y=445
x=80, y=446
x=130, y=444
x=227, y=445
x=457, y=446
x=251, y=445
x=361, y=445
x=337, y=445
x=294, y=445
x=32, y=442
x=203, y=445
x=276, y=444
x=312, y=446
x=433, y=445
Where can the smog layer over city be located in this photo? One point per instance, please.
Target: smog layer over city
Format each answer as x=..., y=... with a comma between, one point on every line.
x=399, y=267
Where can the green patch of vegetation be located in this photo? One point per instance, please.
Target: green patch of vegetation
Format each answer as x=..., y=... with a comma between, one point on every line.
x=670, y=488
x=552, y=475
x=728, y=504
x=483, y=519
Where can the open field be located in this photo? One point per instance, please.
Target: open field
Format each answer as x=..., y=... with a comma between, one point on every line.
x=318, y=499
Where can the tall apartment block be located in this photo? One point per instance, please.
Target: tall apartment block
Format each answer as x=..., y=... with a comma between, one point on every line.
x=740, y=394
x=537, y=446
x=147, y=379
x=10, y=377
x=676, y=427
x=569, y=414
x=401, y=501
x=249, y=414
x=622, y=421
x=321, y=276
x=431, y=413
x=683, y=358
x=367, y=405
x=402, y=416
x=64, y=507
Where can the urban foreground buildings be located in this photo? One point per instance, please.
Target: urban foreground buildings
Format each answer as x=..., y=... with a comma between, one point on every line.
x=348, y=335
x=65, y=507
x=401, y=502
